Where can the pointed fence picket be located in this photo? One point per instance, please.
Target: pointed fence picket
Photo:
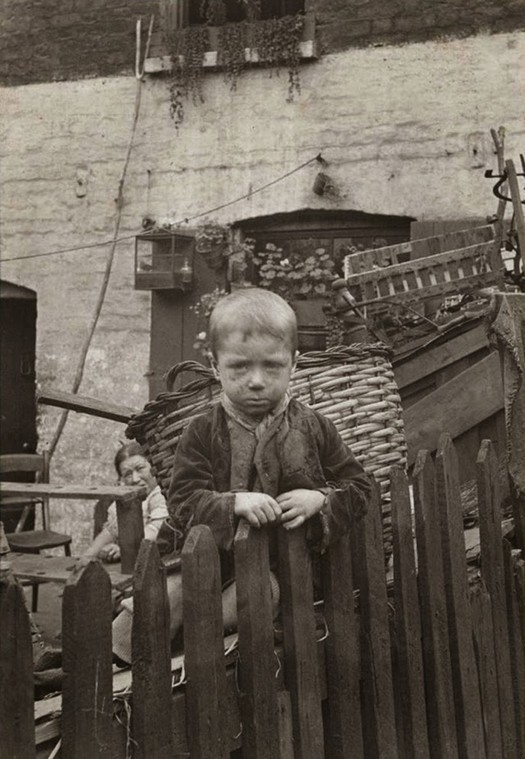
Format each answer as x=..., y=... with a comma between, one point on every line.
x=431, y=666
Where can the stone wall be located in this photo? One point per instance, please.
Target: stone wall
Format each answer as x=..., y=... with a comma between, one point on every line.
x=405, y=130
x=48, y=40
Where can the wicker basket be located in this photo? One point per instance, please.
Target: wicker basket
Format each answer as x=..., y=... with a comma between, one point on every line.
x=352, y=385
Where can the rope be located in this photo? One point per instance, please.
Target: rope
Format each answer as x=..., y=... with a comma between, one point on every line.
x=109, y=263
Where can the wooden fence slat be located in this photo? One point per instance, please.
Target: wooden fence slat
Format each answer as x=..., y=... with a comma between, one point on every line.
x=301, y=670
x=343, y=728
x=130, y=523
x=411, y=685
x=203, y=646
x=17, y=722
x=285, y=725
x=434, y=627
x=516, y=643
x=492, y=572
x=486, y=660
x=378, y=712
x=258, y=699
x=87, y=690
x=151, y=658
x=469, y=719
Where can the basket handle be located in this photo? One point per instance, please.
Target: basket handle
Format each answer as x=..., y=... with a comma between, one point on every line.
x=205, y=374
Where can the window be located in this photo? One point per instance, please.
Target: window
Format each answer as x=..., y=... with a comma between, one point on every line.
x=238, y=10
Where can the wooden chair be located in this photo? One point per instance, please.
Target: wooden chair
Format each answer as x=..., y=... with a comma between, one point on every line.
x=30, y=541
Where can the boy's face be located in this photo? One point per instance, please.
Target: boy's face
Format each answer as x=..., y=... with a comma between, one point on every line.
x=254, y=371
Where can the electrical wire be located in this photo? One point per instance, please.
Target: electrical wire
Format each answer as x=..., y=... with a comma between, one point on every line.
x=185, y=220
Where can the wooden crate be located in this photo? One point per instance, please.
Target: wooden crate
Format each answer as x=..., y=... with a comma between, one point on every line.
x=420, y=269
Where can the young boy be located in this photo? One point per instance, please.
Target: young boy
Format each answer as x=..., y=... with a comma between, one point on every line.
x=258, y=454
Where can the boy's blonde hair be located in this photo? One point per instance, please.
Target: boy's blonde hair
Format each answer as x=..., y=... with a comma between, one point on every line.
x=252, y=310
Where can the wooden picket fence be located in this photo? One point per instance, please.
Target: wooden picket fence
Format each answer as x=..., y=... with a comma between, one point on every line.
x=428, y=666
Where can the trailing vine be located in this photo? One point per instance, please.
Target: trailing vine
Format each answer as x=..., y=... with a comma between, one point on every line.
x=187, y=47
x=277, y=43
x=233, y=40
x=276, y=40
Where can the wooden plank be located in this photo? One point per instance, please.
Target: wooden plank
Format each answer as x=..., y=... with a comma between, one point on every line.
x=378, y=712
x=469, y=717
x=151, y=658
x=486, y=662
x=87, y=697
x=343, y=728
x=434, y=626
x=27, y=566
x=258, y=699
x=434, y=358
x=515, y=608
x=204, y=656
x=517, y=207
x=301, y=670
x=285, y=725
x=410, y=686
x=492, y=572
x=307, y=48
x=17, y=728
x=130, y=523
x=90, y=492
x=463, y=402
x=84, y=404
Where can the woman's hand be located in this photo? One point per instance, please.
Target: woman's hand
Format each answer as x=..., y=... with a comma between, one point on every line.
x=299, y=505
x=110, y=553
x=257, y=508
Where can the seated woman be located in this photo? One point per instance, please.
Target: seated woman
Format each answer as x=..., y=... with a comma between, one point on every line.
x=132, y=469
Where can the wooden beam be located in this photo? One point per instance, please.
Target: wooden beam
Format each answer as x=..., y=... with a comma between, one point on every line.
x=83, y=404
x=455, y=407
x=432, y=359
x=517, y=207
x=91, y=492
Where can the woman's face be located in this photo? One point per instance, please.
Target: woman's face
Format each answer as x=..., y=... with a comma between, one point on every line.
x=135, y=470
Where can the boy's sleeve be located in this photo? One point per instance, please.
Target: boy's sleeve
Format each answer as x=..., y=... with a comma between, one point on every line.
x=192, y=499
x=347, y=489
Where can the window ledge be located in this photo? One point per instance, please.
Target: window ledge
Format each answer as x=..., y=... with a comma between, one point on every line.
x=307, y=47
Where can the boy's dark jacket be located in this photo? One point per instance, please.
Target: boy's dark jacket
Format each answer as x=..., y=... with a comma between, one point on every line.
x=306, y=452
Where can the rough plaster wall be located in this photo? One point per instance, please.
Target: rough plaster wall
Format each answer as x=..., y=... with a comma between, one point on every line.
x=397, y=125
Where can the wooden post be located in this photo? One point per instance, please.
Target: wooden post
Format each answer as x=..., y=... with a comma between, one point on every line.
x=519, y=219
x=258, y=700
x=488, y=681
x=343, y=728
x=408, y=624
x=469, y=718
x=301, y=668
x=203, y=646
x=151, y=658
x=378, y=715
x=87, y=691
x=130, y=530
x=492, y=572
x=17, y=722
x=516, y=643
x=507, y=329
x=436, y=656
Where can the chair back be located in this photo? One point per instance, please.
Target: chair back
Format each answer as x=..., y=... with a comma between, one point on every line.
x=14, y=464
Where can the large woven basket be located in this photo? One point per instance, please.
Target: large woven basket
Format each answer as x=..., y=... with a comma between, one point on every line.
x=352, y=385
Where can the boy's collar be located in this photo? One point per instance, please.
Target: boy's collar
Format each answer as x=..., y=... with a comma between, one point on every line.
x=248, y=422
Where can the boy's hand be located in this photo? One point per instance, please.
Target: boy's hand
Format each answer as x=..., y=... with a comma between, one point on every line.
x=257, y=508
x=299, y=505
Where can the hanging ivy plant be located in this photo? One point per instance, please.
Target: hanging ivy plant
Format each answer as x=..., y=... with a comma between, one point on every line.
x=187, y=47
x=276, y=40
x=277, y=43
x=233, y=40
